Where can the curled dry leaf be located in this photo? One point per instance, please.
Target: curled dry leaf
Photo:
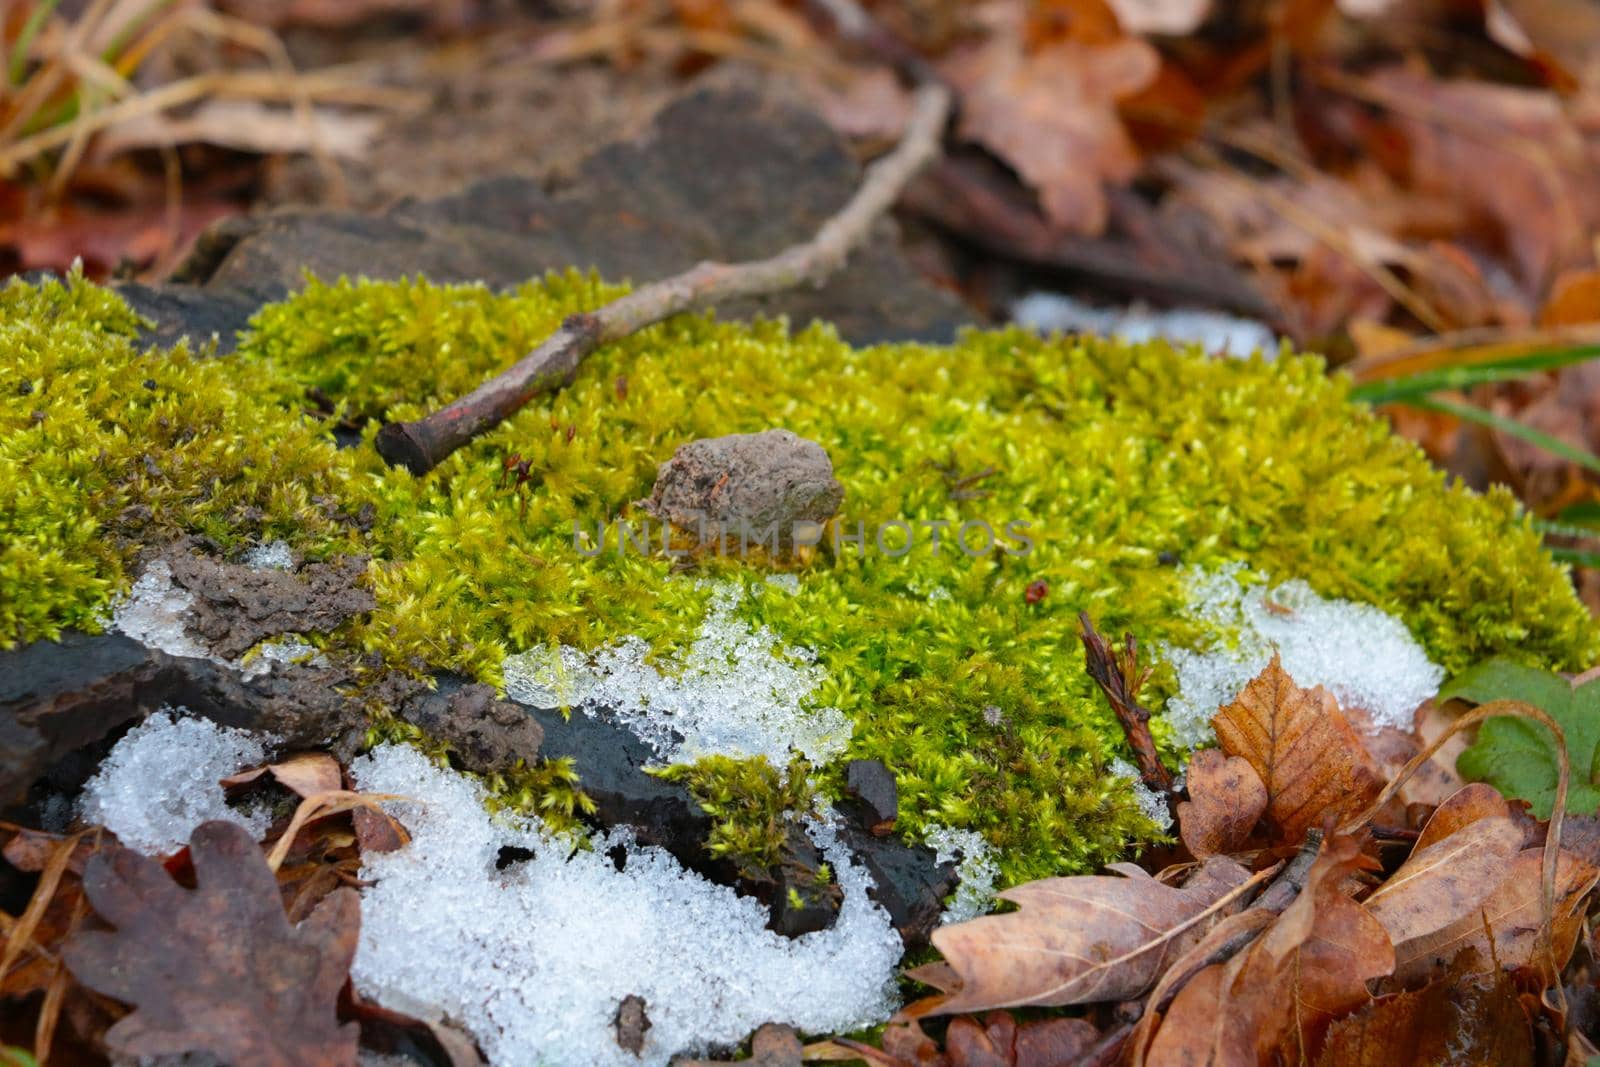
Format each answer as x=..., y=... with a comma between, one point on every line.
x=305, y=774
x=1445, y=879
x=1075, y=940
x=218, y=968
x=1226, y=800
x=1300, y=745
x=1275, y=998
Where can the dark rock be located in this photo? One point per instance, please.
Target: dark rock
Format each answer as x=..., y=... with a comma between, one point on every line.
x=59, y=696
x=877, y=799
x=909, y=881
x=803, y=902
x=488, y=734
x=610, y=762
x=753, y=487
x=181, y=312
x=237, y=606
x=632, y=1023
x=641, y=209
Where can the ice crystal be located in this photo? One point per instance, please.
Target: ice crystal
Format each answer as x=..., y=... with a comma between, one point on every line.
x=535, y=958
x=160, y=781
x=153, y=612
x=274, y=555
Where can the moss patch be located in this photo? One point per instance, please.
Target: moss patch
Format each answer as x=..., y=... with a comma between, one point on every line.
x=750, y=803
x=1121, y=458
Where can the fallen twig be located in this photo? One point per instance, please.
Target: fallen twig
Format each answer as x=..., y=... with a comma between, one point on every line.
x=419, y=446
x=1119, y=678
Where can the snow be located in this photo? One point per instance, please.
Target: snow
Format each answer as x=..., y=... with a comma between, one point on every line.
x=975, y=866
x=287, y=649
x=159, y=781
x=153, y=611
x=1217, y=333
x=1365, y=657
x=274, y=555
x=1150, y=803
x=736, y=691
x=535, y=959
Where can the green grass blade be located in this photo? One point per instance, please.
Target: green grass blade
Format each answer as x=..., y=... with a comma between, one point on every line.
x=1467, y=375
x=30, y=29
x=1538, y=438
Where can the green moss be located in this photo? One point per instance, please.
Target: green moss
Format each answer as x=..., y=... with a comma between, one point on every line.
x=750, y=803
x=1120, y=456
x=103, y=448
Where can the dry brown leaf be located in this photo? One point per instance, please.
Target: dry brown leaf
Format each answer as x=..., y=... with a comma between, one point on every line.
x=1051, y=113
x=1226, y=800
x=218, y=968
x=1512, y=914
x=1274, y=998
x=1466, y=1017
x=1574, y=299
x=1467, y=805
x=305, y=774
x=1298, y=742
x=1075, y=940
x=1445, y=881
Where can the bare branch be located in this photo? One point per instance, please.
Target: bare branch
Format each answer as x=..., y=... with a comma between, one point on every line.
x=420, y=446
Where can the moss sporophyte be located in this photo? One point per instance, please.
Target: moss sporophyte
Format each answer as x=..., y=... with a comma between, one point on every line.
x=1124, y=459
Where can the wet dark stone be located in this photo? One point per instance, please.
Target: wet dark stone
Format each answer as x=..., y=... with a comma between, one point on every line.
x=910, y=882
x=802, y=902
x=875, y=796
x=643, y=209
x=57, y=697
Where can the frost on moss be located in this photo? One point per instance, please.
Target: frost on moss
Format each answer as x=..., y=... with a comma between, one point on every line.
x=1120, y=457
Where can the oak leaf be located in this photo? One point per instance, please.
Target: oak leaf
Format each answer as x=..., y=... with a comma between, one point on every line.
x=1300, y=744
x=1074, y=940
x=1226, y=799
x=217, y=969
x=1274, y=998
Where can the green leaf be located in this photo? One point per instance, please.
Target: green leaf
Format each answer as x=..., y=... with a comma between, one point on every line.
x=1464, y=376
x=1469, y=413
x=1518, y=756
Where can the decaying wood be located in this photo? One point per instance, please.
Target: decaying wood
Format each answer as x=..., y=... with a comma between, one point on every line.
x=419, y=446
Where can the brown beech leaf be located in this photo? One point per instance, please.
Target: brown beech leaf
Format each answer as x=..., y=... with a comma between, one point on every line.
x=1051, y=113
x=1511, y=916
x=1299, y=743
x=1226, y=800
x=1074, y=940
x=1466, y=1017
x=217, y=969
x=1446, y=880
x=1467, y=805
x=1274, y=998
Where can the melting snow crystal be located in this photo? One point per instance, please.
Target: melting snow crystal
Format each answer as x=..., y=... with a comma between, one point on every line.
x=160, y=781
x=736, y=691
x=535, y=959
x=1365, y=657
x=1152, y=805
x=153, y=613
x=274, y=555
x=975, y=866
